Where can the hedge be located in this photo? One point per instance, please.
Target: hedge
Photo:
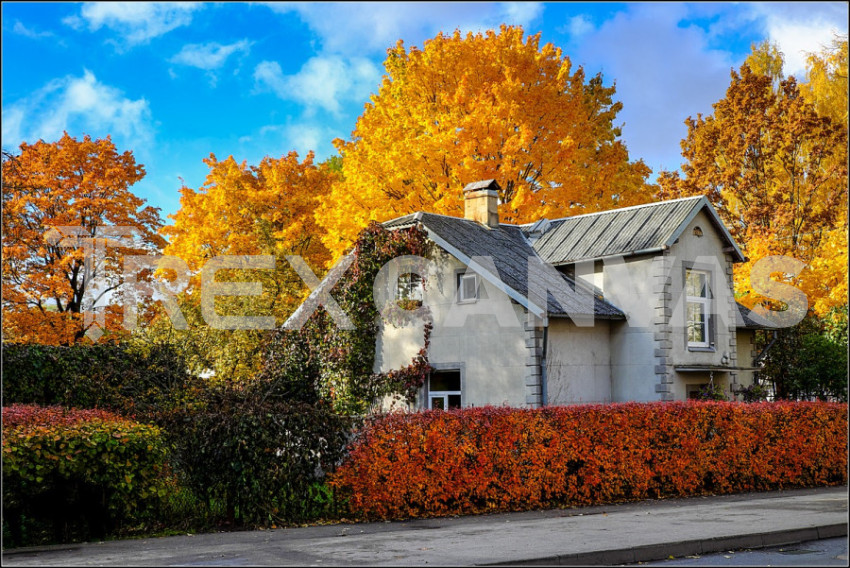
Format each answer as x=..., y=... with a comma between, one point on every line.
x=117, y=377
x=262, y=459
x=76, y=474
x=489, y=459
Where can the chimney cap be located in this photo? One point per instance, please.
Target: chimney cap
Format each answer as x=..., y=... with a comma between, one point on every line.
x=490, y=184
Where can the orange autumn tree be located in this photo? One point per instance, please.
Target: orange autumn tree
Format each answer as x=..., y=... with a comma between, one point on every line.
x=241, y=209
x=466, y=108
x=776, y=170
x=62, y=201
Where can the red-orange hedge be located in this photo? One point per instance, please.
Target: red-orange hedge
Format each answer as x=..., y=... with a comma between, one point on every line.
x=505, y=459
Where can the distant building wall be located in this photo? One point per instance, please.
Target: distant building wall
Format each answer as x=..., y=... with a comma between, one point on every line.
x=746, y=340
x=578, y=362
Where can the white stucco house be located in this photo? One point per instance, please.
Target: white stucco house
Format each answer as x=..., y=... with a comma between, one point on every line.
x=632, y=304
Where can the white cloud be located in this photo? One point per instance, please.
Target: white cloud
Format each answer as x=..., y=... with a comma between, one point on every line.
x=209, y=56
x=134, y=22
x=303, y=137
x=801, y=28
x=279, y=139
x=664, y=73
x=521, y=13
x=667, y=66
x=322, y=82
x=268, y=75
x=21, y=29
x=370, y=28
x=78, y=105
x=578, y=26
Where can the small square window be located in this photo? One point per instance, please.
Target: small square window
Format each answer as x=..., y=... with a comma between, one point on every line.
x=467, y=287
x=409, y=288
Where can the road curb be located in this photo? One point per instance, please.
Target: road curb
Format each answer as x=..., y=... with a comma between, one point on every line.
x=663, y=551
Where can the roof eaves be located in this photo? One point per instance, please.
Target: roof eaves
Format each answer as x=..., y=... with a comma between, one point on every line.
x=748, y=319
x=651, y=250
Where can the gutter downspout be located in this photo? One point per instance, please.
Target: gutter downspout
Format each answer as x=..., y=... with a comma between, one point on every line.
x=544, y=381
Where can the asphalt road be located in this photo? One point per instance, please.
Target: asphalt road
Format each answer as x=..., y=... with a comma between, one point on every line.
x=827, y=552
x=602, y=535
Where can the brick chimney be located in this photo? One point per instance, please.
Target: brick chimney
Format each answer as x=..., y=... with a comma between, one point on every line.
x=481, y=202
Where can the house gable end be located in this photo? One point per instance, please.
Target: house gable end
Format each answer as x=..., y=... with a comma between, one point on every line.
x=705, y=205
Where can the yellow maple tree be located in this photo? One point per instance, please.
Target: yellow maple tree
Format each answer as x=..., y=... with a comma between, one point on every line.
x=776, y=169
x=480, y=106
x=63, y=202
x=826, y=81
x=242, y=209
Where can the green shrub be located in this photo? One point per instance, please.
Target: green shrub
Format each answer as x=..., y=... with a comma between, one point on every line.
x=263, y=459
x=809, y=360
x=77, y=474
x=120, y=377
x=754, y=393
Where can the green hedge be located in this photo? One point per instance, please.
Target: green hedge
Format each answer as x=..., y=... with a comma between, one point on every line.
x=119, y=377
x=77, y=474
x=260, y=460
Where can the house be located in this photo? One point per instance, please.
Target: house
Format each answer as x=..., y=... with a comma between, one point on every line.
x=632, y=304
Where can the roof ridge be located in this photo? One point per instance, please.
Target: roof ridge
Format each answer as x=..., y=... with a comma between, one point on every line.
x=413, y=215
x=523, y=225
x=629, y=208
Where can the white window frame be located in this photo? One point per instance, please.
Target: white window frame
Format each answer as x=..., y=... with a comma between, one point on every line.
x=409, y=287
x=705, y=308
x=444, y=395
x=461, y=298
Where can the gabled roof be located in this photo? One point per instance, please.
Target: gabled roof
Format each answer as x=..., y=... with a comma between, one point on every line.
x=510, y=252
x=625, y=232
x=748, y=319
x=516, y=249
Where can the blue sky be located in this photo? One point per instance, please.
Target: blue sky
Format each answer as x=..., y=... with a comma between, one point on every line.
x=174, y=82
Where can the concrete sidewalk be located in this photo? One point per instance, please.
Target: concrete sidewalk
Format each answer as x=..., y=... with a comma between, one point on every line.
x=613, y=534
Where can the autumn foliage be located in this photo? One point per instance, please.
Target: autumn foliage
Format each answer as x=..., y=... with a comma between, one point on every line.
x=48, y=189
x=479, y=460
x=254, y=210
x=242, y=209
x=772, y=158
x=466, y=108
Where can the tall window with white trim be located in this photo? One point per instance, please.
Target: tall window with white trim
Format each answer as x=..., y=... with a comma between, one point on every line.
x=698, y=297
